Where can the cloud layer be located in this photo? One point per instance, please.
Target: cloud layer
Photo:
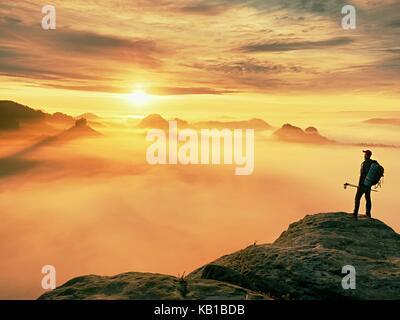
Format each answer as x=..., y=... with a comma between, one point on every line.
x=189, y=47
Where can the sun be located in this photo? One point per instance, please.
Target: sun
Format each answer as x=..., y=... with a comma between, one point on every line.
x=140, y=97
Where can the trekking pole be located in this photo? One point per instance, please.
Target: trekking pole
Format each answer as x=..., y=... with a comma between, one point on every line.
x=354, y=186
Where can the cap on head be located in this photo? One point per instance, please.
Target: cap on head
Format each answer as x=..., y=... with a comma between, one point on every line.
x=368, y=153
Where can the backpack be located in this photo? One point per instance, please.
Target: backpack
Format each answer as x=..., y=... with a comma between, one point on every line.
x=375, y=174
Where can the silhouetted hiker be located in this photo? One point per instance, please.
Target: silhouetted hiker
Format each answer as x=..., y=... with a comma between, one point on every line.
x=362, y=188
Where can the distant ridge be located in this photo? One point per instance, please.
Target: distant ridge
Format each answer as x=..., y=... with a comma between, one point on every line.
x=88, y=116
x=60, y=117
x=13, y=113
x=290, y=133
x=383, y=121
x=255, y=123
x=156, y=121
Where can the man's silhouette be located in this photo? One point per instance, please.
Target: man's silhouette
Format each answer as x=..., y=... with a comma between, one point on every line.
x=362, y=189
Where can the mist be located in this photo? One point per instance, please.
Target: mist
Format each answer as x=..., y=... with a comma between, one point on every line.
x=94, y=206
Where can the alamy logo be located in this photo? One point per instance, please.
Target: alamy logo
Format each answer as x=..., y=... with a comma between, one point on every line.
x=349, y=281
x=49, y=280
x=189, y=146
x=349, y=21
x=49, y=21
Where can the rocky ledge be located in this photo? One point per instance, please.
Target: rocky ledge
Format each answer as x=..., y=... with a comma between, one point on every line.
x=304, y=263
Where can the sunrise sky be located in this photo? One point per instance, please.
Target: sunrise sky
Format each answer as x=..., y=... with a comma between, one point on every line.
x=193, y=55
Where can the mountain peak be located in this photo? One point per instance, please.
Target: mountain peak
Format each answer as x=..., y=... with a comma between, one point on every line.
x=290, y=133
x=80, y=129
x=153, y=121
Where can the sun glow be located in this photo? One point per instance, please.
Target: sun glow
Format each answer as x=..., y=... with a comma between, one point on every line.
x=140, y=97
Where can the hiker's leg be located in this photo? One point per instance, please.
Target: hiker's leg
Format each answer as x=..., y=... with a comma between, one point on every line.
x=357, y=201
x=368, y=202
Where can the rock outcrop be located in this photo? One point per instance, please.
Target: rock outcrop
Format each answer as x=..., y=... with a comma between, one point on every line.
x=305, y=262
x=289, y=133
x=148, y=286
x=81, y=129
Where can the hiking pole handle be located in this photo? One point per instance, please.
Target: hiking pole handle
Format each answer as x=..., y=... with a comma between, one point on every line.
x=357, y=187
